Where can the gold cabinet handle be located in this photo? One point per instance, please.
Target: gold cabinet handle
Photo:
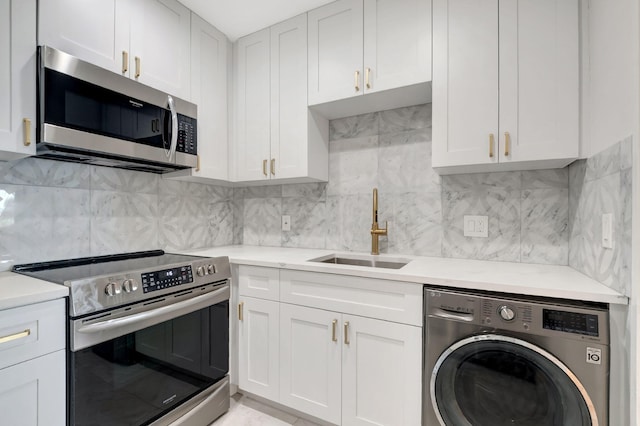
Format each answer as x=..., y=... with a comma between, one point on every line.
x=27, y=131
x=368, y=78
x=198, y=163
x=346, y=332
x=356, y=77
x=273, y=166
x=240, y=313
x=15, y=336
x=125, y=61
x=334, y=325
x=507, y=144
x=138, y=71
x=264, y=167
x=491, y=144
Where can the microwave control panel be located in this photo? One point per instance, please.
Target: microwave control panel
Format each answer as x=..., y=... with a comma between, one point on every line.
x=187, y=135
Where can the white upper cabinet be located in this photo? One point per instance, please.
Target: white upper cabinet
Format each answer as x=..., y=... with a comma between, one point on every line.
x=276, y=137
x=17, y=78
x=366, y=46
x=210, y=63
x=505, y=84
x=143, y=39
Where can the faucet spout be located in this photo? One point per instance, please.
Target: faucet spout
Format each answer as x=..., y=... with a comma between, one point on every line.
x=376, y=231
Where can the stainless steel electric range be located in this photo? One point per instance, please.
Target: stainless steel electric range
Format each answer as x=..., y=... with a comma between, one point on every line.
x=148, y=337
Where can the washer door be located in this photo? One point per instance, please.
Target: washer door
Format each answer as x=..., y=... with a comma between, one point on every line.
x=494, y=380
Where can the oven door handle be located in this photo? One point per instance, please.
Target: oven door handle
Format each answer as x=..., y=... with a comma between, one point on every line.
x=109, y=329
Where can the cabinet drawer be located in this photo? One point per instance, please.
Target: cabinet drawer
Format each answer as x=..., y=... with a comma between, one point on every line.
x=383, y=299
x=31, y=331
x=260, y=282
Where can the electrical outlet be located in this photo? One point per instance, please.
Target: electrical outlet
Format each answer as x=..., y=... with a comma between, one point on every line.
x=476, y=226
x=286, y=223
x=607, y=230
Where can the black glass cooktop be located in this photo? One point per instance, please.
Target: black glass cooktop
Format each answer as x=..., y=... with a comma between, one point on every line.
x=89, y=267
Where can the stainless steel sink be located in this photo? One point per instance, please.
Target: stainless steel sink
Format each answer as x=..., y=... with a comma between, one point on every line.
x=360, y=260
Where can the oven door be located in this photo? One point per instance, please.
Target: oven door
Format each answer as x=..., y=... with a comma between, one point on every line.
x=148, y=362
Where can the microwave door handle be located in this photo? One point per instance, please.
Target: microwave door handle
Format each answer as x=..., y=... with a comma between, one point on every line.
x=174, y=127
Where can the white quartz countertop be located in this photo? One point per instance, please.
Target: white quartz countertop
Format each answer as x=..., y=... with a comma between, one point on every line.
x=19, y=290
x=520, y=278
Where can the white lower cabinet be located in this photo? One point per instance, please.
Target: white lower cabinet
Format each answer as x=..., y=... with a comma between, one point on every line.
x=342, y=368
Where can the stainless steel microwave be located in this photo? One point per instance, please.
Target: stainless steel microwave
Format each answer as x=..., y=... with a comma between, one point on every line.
x=91, y=115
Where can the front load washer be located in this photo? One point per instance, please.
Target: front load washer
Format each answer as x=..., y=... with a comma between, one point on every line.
x=493, y=359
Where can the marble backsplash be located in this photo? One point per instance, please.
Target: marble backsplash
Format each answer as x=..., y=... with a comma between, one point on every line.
x=599, y=185
x=391, y=150
x=55, y=210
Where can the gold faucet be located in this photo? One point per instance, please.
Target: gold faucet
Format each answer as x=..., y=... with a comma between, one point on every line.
x=376, y=231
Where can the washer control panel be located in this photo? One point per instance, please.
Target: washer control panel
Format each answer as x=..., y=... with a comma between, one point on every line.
x=570, y=322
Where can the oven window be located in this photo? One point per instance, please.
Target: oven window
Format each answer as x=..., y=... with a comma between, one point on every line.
x=136, y=378
x=496, y=383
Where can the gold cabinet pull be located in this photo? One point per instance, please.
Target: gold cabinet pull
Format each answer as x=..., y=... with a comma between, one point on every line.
x=240, y=313
x=27, y=131
x=356, y=77
x=346, y=332
x=491, y=143
x=334, y=325
x=507, y=144
x=138, y=71
x=198, y=163
x=125, y=61
x=368, y=78
x=264, y=167
x=15, y=336
x=273, y=166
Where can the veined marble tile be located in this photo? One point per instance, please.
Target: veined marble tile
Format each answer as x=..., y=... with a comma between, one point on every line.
x=481, y=182
x=404, y=163
x=503, y=209
x=262, y=222
x=218, y=193
x=357, y=126
x=551, y=178
x=545, y=226
x=353, y=166
x=267, y=191
x=41, y=172
x=238, y=220
x=626, y=153
x=180, y=233
x=624, y=230
x=123, y=234
x=120, y=180
x=403, y=119
x=178, y=187
x=349, y=222
x=308, y=227
x=603, y=163
x=305, y=190
x=123, y=204
x=183, y=205
x=416, y=224
x=221, y=223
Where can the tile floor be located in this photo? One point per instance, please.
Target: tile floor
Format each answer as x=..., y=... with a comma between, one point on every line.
x=245, y=411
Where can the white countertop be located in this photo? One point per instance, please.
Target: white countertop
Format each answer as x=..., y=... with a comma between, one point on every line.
x=19, y=290
x=520, y=278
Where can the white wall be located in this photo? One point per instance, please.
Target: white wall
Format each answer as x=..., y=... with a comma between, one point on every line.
x=610, y=73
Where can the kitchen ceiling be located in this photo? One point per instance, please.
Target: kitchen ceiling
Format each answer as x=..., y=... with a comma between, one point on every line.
x=241, y=17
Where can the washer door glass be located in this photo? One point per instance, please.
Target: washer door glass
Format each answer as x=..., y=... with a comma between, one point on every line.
x=498, y=380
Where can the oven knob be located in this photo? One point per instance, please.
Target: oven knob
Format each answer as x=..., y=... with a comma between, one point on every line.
x=211, y=269
x=506, y=313
x=112, y=289
x=200, y=271
x=129, y=285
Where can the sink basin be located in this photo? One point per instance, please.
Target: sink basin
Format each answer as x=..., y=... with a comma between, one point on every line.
x=369, y=261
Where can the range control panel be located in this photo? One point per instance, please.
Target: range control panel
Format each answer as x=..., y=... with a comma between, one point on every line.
x=159, y=280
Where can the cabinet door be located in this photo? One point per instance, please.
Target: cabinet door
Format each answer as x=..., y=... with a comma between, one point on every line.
x=209, y=61
x=160, y=34
x=258, y=346
x=253, y=102
x=539, y=79
x=335, y=51
x=310, y=361
x=465, y=82
x=258, y=281
x=289, y=126
x=381, y=373
x=33, y=393
x=96, y=31
x=397, y=43
x=17, y=78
